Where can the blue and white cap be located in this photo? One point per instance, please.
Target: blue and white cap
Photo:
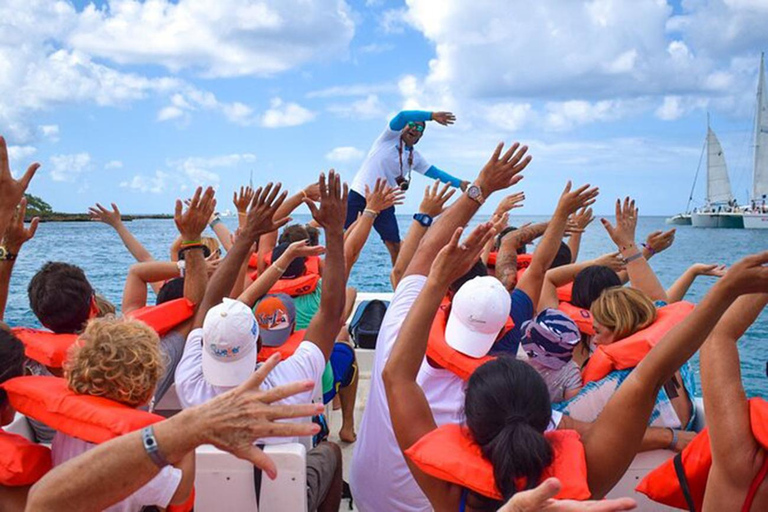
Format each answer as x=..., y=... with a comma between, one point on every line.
x=230, y=333
x=549, y=339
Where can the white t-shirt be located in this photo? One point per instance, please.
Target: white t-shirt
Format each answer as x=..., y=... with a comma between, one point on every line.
x=383, y=161
x=307, y=363
x=157, y=491
x=379, y=477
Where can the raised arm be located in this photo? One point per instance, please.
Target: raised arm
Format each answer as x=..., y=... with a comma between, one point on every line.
x=501, y=172
x=399, y=122
x=565, y=274
x=232, y=422
x=114, y=220
x=376, y=200
x=11, y=190
x=274, y=272
x=679, y=288
x=641, y=275
x=261, y=219
x=412, y=418
x=432, y=205
x=15, y=236
x=142, y=274
x=581, y=220
x=570, y=201
x=734, y=448
x=325, y=325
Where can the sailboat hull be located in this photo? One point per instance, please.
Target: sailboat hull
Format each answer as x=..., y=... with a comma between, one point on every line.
x=756, y=220
x=725, y=220
x=679, y=220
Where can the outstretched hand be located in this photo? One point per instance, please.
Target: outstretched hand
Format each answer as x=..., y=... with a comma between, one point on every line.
x=614, y=261
x=573, y=200
x=583, y=218
x=503, y=171
x=11, y=190
x=433, y=203
x=382, y=196
x=193, y=221
x=623, y=234
x=714, y=270
x=659, y=241
x=101, y=214
x=510, y=202
x=233, y=421
x=333, y=203
x=243, y=199
x=17, y=235
x=260, y=218
x=302, y=249
x=444, y=118
x=455, y=259
x=541, y=499
x=748, y=275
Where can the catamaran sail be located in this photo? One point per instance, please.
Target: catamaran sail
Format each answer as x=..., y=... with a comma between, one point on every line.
x=758, y=217
x=718, y=183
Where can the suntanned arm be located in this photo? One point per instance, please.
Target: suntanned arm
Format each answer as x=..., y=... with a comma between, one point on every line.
x=233, y=421
x=259, y=221
x=142, y=274
x=570, y=201
x=114, y=219
x=326, y=323
x=736, y=455
x=14, y=238
x=565, y=274
x=222, y=233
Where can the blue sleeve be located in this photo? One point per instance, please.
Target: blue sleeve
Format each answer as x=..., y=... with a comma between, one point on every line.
x=436, y=174
x=521, y=311
x=406, y=116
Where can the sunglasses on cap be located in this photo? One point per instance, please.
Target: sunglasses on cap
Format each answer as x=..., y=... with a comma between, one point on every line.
x=414, y=124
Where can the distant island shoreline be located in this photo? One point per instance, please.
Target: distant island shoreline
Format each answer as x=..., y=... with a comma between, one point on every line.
x=37, y=207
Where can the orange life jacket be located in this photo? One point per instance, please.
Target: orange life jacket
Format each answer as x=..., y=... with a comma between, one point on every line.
x=581, y=317
x=627, y=353
x=301, y=285
x=166, y=316
x=663, y=484
x=286, y=350
x=253, y=260
x=449, y=453
x=523, y=260
x=90, y=418
x=448, y=358
x=22, y=462
x=45, y=347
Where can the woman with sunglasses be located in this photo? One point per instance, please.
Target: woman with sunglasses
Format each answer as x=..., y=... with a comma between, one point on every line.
x=393, y=158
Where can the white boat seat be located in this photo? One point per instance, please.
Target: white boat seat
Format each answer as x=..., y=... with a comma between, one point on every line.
x=222, y=481
x=20, y=425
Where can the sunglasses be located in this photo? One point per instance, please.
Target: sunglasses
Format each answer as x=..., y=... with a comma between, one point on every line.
x=413, y=124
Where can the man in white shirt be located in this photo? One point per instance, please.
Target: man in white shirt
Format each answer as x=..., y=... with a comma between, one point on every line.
x=380, y=478
x=393, y=157
x=221, y=350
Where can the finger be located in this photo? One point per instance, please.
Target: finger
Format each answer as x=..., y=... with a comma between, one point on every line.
x=5, y=167
x=177, y=211
x=345, y=196
x=258, y=458
x=618, y=210
x=607, y=225
x=286, y=390
x=312, y=207
x=22, y=210
x=614, y=505
x=447, y=196
x=195, y=201
x=273, y=194
x=567, y=188
x=510, y=152
x=101, y=208
x=537, y=497
x=265, y=193
x=255, y=380
x=277, y=224
x=323, y=190
x=497, y=152
x=454, y=241
x=279, y=412
x=33, y=226
x=280, y=200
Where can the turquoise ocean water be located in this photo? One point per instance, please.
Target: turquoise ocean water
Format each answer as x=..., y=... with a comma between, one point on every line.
x=97, y=249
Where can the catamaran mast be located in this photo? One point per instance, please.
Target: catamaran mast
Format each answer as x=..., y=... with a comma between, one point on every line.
x=757, y=186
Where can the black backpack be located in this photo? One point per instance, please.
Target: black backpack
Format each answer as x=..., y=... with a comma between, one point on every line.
x=366, y=322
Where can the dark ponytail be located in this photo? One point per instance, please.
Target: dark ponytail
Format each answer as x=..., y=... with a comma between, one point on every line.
x=507, y=407
x=590, y=283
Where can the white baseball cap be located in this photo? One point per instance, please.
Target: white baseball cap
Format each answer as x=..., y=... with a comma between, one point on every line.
x=478, y=313
x=230, y=333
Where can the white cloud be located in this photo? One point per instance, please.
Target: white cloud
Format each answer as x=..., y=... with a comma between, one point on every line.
x=368, y=108
x=344, y=154
x=50, y=131
x=113, y=164
x=200, y=170
x=19, y=157
x=155, y=184
x=190, y=99
x=69, y=167
x=353, y=90
x=281, y=114
x=510, y=116
x=376, y=48
x=216, y=38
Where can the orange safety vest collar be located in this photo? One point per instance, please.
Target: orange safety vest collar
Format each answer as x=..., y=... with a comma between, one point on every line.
x=627, y=353
x=286, y=350
x=449, y=453
x=22, y=462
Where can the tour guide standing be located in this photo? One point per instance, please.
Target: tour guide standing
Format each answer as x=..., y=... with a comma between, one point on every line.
x=393, y=158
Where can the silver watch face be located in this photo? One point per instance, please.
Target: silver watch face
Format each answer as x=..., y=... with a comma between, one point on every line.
x=474, y=192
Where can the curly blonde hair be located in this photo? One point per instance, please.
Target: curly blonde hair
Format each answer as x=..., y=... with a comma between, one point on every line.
x=623, y=310
x=116, y=358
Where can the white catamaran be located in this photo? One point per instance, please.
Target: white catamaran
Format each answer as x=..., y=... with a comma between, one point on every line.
x=756, y=216
x=720, y=208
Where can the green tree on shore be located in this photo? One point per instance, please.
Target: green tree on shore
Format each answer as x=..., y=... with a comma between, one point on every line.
x=36, y=207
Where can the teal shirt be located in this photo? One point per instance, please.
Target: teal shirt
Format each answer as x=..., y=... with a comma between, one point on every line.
x=306, y=307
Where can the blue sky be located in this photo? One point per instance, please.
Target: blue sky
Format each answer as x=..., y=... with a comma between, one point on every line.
x=137, y=102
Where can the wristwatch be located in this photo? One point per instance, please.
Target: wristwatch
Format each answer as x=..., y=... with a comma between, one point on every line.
x=474, y=193
x=6, y=255
x=423, y=219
